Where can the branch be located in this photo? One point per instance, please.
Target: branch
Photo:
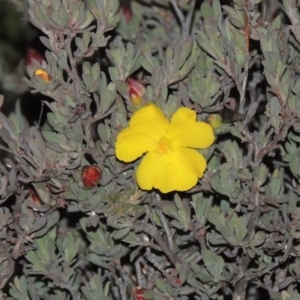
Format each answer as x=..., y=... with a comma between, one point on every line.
x=189, y=18
x=74, y=73
x=246, y=70
x=165, y=224
x=154, y=233
x=273, y=144
x=179, y=13
x=185, y=22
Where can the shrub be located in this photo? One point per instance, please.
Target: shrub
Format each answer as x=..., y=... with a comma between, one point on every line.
x=167, y=164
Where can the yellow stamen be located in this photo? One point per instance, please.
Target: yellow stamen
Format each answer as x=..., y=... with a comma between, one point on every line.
x=163, y=146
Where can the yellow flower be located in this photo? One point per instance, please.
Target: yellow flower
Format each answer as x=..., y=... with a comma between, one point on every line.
x=169, y=164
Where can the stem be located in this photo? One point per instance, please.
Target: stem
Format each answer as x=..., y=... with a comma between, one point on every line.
x=153, y=232
x=121, y=281
x=179, y=13
x=161, y=267
x=61, y=282
x=273, y=144
x=98, y=116
x=246, y=70
x=165, y=224
x=244, y=86
x=189, y=18
x=138, y=271
x=10, y=151
x=185, y=22
x=74, y=74
x=88, y=134
x=166, y=228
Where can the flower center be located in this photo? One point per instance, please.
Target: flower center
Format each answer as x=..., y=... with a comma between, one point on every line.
x=163, y=146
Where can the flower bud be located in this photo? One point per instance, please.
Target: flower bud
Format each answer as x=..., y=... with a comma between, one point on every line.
x=43, y=74
x=136, y=91
x=139, y=294
x=126, y=10
x=31, y=55
x=215, y=121
x=91, y=176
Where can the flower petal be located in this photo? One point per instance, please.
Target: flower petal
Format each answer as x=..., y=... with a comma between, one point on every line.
x=157, y=171
x=177, y=170
x=146, y=127
x=152, y=118
x=185, y=131
x=190, y=166
x=132, y=143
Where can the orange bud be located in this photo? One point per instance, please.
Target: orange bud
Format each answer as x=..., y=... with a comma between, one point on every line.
x=91, y=176
x=136, y=91
x=43, y=74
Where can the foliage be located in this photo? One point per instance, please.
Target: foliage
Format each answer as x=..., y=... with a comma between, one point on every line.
x=74, y=224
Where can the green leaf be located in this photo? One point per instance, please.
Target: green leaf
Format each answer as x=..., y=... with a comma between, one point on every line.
x=70, y=247
x=258, y=239
x=213, y=262
x=122, y=233
x=217, y=219
x=202, y=206
x=161, y=285
x=95, y=259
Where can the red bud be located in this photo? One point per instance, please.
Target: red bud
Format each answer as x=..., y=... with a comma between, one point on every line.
x=126, y=10
x=139, y=294
x=32, y=54
x=91, y=176
x=136, y=91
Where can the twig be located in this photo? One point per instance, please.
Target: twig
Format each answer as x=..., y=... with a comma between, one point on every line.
x=244, y=86
x=165, y=225
x=138, y=272
x=10, y=151
x=178, y=13
x=189, y=18
x=246, y=70
x=121, y=281
x=153, y=259
x=166, y=228
x=185, y=22
x=60, y=281
x=88, y=134
x=153, y=232
x=253, y=222
x=98, y=116
x=40, y=117
x=74, y=74
x=240, y=291
x=273, y=144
